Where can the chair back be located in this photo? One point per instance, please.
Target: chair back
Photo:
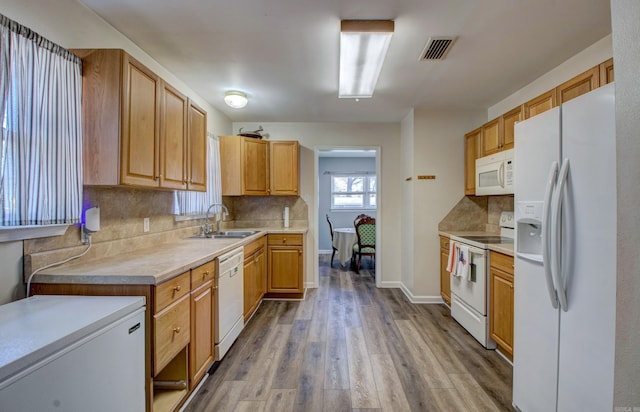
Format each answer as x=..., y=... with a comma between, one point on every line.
x=366, y=231
x=357, y=219
x=330, y=226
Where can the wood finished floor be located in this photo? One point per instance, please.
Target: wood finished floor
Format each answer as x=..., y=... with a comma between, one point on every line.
x=352, y=347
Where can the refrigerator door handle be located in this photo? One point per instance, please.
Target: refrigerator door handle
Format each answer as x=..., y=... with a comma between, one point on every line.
x=546, y=235
x=556, y=239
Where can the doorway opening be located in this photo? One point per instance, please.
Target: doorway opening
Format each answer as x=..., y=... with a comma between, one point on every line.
x=347, y=186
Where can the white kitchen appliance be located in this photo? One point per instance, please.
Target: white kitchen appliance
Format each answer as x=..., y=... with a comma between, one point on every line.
x=230, y=301
x=565, y=263
x=73, y=353
x=494, y=174
x=470, y=296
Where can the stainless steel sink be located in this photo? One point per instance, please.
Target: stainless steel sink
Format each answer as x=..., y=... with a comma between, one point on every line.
x=227, y=234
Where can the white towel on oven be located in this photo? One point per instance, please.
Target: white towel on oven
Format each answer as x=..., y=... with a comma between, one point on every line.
x=463, y=264
x=451, y=264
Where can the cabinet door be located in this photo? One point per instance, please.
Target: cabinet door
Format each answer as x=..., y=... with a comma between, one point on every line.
x=445, y=277
x=285, y=269
x=140, y=125
x=509, y=120
x=201, y=345
x=606, y=72
x=173, y=135
x=249, y=286
x=491, y=139
x=501, y=322
x=579, y=85
x=540, y=104
x=261, y=275
x=284, y=165
x=471, y=153
x=197, y=149
x=255, y=167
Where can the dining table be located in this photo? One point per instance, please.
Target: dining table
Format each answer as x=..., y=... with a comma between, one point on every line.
x=343, y=240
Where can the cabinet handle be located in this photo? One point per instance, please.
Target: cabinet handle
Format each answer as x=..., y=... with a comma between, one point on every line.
x=177, y=288
x=299, y=252
x=205, y=274
x=214, y=287
x=176, y=329
x=156, y=178
x=284, y=240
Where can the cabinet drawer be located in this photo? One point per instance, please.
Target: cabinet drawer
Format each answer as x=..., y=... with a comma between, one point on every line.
x=202, y=274
x=254, y=246
x=171, y=290
x=170, y=333
x=282, y=239
x=502, y=262
x=444, y=243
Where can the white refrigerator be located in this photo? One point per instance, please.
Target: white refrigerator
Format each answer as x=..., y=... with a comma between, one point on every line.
x=565, y=261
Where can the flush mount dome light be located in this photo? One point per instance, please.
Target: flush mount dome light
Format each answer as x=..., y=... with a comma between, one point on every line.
x=235, y=99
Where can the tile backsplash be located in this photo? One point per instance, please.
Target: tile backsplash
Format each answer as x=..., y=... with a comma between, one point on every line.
x=476, y=213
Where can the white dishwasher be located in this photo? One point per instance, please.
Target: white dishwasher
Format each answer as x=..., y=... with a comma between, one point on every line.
x=230, y=302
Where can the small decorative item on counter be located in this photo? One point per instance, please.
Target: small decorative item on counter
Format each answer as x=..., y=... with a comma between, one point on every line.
x=256, y=134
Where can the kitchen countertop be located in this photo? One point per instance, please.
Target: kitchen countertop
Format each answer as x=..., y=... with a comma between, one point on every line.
x=152, y=265
x=504, y=248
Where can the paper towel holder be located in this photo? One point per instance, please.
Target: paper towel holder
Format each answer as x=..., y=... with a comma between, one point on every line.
x=90, y=224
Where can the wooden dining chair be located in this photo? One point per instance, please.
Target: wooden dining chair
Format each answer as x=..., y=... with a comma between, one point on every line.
x=331, y=231
x=366, y=232
x=357, y=219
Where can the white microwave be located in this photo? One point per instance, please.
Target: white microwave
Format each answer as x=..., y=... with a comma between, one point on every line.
x=494, y=174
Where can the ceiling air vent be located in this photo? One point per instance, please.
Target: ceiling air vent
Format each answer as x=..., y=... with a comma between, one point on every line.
x=437, y=47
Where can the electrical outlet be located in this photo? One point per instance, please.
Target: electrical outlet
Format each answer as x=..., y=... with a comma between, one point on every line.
x=146, y=224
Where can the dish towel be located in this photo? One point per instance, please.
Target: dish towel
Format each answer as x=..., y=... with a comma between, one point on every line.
x=451, y=264
x=463, y=263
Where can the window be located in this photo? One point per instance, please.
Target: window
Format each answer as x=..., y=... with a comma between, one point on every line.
x=353, y=192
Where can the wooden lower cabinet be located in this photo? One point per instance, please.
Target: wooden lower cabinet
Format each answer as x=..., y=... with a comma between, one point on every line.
x=255, y=275
x=445, y=277
x=285, y=265
x=501, y=302
x=202, y=327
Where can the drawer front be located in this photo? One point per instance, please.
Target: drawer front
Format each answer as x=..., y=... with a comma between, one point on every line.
x=282, y=239
x=171, y=291
x=444, y=243
x=502, y=262
x=254, y=246
x=203, y=274
x=170, y=333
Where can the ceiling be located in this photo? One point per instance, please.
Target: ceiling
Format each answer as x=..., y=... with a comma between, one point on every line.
x=284, y=53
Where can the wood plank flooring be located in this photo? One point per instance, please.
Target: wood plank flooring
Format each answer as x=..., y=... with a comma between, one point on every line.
x=352, y=347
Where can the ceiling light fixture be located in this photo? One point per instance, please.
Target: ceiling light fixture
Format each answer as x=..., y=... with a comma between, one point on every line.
x=235, y=99
x=363, y=47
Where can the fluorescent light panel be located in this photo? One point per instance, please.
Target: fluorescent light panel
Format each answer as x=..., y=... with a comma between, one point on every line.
x=363, y=47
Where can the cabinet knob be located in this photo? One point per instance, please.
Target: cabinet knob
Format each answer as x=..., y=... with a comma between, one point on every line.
x=284, y=240
x=299, y=252
x=205, y=274
x=176, y=329
x=214, y=288
x=177, y=288
x=156, y=178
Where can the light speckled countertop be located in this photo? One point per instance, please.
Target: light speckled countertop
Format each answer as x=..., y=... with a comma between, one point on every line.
x=504, y=248
x=152, y=265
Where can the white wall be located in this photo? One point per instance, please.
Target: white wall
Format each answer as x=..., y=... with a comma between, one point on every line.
x=407, y=138
x=438, y=149
x=339, y=218
x=626, y=53
x=350, y=135
x=586, y=59
x=72, y=25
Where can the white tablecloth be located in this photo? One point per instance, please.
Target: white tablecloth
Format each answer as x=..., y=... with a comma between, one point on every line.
x=343, y=239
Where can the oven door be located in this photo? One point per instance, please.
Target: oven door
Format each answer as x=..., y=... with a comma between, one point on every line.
x=473, y=291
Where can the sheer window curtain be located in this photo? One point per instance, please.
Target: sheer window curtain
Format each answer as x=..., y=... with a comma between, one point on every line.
x=196, y=203
x=40, y=107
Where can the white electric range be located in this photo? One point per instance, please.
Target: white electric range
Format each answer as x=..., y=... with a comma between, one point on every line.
x=470, y=294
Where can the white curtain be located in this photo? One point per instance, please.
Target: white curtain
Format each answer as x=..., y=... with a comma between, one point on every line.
x=196, y=203
x=40, y=107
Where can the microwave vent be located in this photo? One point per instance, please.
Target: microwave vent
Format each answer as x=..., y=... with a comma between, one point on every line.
x=437, y=47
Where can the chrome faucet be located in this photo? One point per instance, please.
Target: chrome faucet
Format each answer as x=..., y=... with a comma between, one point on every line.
x=207, y=225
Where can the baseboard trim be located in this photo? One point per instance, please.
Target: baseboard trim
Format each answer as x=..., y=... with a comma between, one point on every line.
x=325, y=252
x=428, y=300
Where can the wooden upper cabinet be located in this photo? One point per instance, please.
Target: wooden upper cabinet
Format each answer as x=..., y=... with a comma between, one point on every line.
x=579, y=85
x=140, y=124
x=135, y=125
x=540, y=104
x=196, y=148
x=245, y=166
x=508, y=122
x=284, y=166
x=606, y=72
x=173, y=139
x=471, y=153
x=491, y=139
